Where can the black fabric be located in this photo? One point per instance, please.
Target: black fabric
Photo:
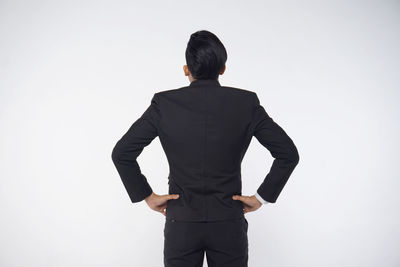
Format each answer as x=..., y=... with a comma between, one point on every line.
x=205, y=130
x=224, y=243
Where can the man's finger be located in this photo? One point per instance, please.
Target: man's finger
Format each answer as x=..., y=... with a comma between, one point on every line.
x=172, y=196
x=238, y=197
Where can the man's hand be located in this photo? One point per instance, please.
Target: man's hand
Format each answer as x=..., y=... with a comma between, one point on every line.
x=251, y=203
x=159, y=202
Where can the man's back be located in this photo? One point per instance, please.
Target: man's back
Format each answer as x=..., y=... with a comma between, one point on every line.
x=205, y=130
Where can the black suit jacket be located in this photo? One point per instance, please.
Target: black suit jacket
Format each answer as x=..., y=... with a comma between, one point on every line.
x=205, y=130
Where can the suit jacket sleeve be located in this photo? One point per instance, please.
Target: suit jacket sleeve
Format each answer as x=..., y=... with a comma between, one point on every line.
x=128, y=148
x=281, y=147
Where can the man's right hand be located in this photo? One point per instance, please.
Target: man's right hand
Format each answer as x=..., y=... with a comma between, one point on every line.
x=251, y=203
x=159, y=202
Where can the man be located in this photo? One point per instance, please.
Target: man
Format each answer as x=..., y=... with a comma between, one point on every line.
x=205, y=129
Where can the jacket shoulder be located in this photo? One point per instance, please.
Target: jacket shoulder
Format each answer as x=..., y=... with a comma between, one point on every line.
x=241, y=92
x=168, y=91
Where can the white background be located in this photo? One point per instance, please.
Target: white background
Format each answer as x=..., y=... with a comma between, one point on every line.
x=74, y=75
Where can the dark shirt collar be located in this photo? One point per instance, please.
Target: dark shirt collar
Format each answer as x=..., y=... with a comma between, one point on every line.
x=204, y=82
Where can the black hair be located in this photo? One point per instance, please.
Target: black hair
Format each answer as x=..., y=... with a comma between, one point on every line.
x=205, y=55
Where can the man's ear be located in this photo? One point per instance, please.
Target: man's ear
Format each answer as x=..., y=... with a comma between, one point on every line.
x=186, y=70
x=223, y=70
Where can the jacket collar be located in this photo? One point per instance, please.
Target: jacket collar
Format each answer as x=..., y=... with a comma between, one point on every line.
x=204, y=82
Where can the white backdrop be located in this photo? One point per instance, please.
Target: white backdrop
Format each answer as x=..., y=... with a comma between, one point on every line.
x=74, y=75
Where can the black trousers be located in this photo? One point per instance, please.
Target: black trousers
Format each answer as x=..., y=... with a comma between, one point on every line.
x=224, y=243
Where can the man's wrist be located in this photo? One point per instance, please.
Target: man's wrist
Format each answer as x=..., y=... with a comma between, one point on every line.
x=149, y=196
x=260, y=199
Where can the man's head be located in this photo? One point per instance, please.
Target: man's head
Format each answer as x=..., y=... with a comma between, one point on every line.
x=205, y=56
